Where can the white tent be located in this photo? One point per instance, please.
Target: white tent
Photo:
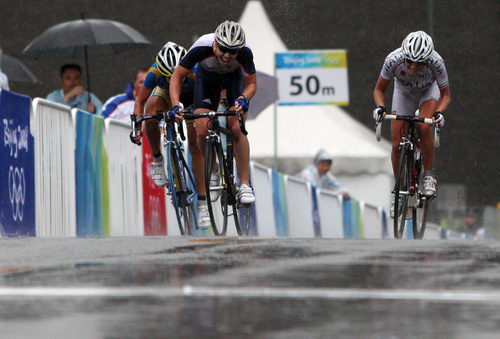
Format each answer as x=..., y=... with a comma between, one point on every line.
x=361, y=164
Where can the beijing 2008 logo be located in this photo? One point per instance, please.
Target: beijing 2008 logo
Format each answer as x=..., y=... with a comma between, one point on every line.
x=17, y=192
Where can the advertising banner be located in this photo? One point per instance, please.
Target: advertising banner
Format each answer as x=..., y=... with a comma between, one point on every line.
x=312, y=77
x=155, y=213
x=17, y=167
x=92, y=188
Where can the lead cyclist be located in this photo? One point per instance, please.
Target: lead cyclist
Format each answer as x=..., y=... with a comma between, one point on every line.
x=225, y=62
x=420, y=82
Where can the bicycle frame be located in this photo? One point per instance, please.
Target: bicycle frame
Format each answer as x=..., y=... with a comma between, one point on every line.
x=214, y=151
x=181, y=185
x=407, y=197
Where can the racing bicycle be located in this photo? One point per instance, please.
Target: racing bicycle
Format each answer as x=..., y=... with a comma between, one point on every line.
x=409, y=202
x=181, y=186
x=222, y=200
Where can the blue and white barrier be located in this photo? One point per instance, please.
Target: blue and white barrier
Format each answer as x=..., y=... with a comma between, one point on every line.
x=70, y=173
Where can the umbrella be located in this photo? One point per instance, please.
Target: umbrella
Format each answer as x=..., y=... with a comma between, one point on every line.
x=80, y=38
x=16, y=70
x=267, y=93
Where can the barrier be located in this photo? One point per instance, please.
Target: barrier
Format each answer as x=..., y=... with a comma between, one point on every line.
x=279, y=203
x=263, y=190
x=89, y=180
x=125, y=180
x=91, y=169
x=300, y=208
x=17, y=196
x=155, y=213
x=54, y=133
x=372, y=220
x=331, y=214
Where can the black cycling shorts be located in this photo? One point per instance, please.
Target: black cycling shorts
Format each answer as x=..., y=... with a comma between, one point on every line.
x=208, y=86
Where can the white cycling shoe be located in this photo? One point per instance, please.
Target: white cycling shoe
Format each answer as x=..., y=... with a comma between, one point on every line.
x=246, y=195
x=158, y=173
x=429, y=184
x=203, y=216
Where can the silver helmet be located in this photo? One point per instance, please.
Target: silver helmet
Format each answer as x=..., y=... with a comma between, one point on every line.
x=417, y=46
x=229, y=34
x=169, y=57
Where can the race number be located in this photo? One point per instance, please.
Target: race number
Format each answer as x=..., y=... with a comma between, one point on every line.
x=316, y=77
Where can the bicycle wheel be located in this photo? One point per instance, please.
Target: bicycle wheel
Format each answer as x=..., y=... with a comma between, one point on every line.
x=245, y=217
x=401, y=193
x=217, y=208
x=178, y=176
x=419, y=216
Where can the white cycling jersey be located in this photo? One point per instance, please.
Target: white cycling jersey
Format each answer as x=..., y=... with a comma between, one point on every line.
x=411, y=90
x=434, y=70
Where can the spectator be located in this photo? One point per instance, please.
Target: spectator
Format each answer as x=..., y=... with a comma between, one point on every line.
x=318, y=174
x=120, y=106
x=72, y=93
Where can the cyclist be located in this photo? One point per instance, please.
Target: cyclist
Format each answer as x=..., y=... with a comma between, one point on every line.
x=421, y=82
x=154, y=95
x=225, y=62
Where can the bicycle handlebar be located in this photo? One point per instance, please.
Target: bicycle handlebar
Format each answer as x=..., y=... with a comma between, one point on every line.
x=378, y=129
x=409, y=118
x=214, y=115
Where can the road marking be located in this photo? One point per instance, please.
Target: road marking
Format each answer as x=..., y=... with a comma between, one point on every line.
x=256, y=292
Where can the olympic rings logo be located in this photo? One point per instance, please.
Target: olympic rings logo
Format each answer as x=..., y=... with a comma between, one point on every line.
x=17, y=192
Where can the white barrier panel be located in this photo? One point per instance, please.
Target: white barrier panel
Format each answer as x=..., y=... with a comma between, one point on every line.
x=454, y=235
x=172, y=226
x=331, y=214
x=432, y=232
x=54, y=131
x=372, y=222
x=262, y=185
x=125, y=180
x=300, y=217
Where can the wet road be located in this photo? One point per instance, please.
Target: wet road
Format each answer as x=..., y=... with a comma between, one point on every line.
x=152, y=287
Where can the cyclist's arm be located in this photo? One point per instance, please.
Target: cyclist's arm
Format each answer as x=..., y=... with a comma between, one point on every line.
x=141, y=99
x=250, y=86
x=445, y=99
x=379, y=91
x=176, y=81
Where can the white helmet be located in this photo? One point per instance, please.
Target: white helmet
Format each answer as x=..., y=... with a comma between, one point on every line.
x=417, y=46
x=169, y=57
x=229, y=34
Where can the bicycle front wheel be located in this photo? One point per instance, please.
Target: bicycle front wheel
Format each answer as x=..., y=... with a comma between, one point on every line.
x=217, y=196
x=245, y=218
x=419, y=217
x=178, y=176
x=401, y=193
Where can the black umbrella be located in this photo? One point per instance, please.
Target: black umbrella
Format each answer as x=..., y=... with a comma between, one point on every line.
x=80, y=38
x=16, y=70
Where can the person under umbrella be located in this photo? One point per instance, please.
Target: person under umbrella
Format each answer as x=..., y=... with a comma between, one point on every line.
x=83, y=38
x=72, y=93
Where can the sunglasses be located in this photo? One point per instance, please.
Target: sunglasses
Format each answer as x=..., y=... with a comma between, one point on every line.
x=409, y=62
x=232, y=51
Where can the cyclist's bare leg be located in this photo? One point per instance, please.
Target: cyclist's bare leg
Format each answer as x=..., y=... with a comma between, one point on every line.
x=396, y=129
x=154, y=103
x=427, y=109
x=241, y=150
x=199, y=167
